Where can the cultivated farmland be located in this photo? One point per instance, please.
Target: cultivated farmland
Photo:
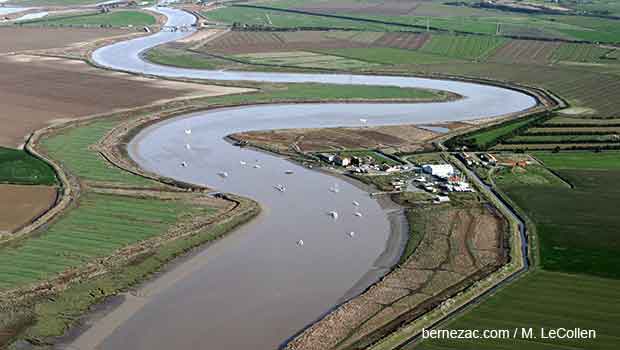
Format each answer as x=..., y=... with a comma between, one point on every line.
x=525, y=51
x=100, y=224
x=465, y=47
x=384, y=7
x=410, y=41
x=304, y=60
x=574, y=238
x=20, y=204
x=112, y=19
x=254, y=42
x=389, y=56
x=14, y=39
x=579, y=53
x=542, y=300
x=73, y=147
x=37, y=91
x=581, y=86
x=19, y=167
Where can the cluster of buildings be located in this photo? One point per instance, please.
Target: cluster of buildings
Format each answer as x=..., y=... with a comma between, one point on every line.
x=480, y=159
x=441, y=179
x=489, y=160
x=360, y=164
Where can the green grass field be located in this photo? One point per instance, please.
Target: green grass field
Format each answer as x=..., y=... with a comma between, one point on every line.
x=610, y=138
x=19, y=167
x=581, y=160
x=487, y=137
x=98, y=226
x=113, y=19
x=72, y=148
x=577, y=228
x=252, y=16
x=543, y=300
x=579, y=53
x=300, y=92
x=531, y=175
x=464, y=47
x=386, y=55
x=304, y=59
x=178, y=58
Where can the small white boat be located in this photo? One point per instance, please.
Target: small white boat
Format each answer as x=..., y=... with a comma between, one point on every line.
x=242, y=162
x=358, y=214
x=335, y=188
x=256, y=166
x=188, y=131
x=356, y=203
x=183, y=164
x=300, y=242
x=223, y=174
x=280, y=187
x=188, y=146
x=289, y=172
x=351, y=234
x=333, y=214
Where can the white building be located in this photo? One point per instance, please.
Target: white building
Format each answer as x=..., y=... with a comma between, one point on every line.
x=440, y=170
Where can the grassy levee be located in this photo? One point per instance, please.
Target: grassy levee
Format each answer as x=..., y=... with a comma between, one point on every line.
x=19, y=167
x=112, y=19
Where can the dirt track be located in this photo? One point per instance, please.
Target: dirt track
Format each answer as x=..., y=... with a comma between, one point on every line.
x=21, y=204
x=36, y=91
x=14, y=39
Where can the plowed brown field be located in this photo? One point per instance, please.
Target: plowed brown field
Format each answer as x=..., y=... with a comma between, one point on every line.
x=13, y=39
x=36, y=91
x=409, y=41
x=20, y=204
x=233, y=43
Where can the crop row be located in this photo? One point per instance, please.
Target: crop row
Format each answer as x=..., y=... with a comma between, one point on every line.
x=73, y=148
x=466, y=47
x=99, y=225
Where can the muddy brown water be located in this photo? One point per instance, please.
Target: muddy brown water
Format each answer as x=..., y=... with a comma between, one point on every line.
x=257, y=286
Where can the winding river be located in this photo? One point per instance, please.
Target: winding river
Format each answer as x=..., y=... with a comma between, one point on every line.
x=257, y=287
